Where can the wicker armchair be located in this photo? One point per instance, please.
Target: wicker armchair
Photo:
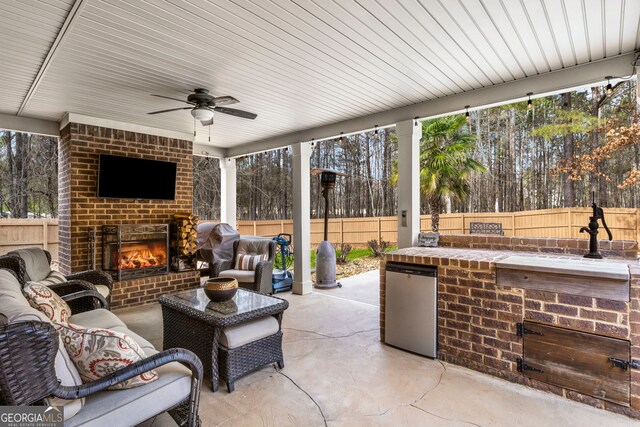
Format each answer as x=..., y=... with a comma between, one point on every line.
x=258, y=280
x=80, y=295
x=27, y=374
x=100, y=280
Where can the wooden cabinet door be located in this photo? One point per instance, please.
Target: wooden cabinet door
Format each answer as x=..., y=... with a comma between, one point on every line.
x=577, y=361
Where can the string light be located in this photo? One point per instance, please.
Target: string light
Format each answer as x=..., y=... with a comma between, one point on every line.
x=529, y=102
x=415, y=121
x=609, y=87
x=341, y=140
x=375, y=133
x=467, y=117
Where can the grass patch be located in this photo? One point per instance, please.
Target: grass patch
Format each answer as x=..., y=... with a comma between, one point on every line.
x=354, y=254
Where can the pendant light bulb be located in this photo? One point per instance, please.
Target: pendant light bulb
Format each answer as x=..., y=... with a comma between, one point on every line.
x=609, y=87
x=341, y=140
x=467, y=117
x=529, y=102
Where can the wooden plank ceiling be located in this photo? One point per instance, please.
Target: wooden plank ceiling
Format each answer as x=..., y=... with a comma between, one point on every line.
x=296, y=63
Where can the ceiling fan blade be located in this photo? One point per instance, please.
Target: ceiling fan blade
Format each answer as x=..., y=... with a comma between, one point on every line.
x=225, y=100
x=206, y=122
x=237, y=113
x=173, y=99
x=171, y=109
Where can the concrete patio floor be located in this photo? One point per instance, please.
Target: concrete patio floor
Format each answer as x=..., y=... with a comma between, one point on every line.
x=338, y=373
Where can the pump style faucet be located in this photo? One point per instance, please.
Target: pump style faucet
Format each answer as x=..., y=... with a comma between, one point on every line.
x=592, y=229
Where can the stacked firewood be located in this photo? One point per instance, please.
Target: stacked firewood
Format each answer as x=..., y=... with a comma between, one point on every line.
x=187, y=233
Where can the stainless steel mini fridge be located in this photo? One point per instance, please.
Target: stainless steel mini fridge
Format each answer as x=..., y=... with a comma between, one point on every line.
x=411, y=307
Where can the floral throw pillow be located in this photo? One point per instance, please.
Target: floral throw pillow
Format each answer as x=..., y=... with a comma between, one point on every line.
x=99, y=352
x=249, y=262
x=45, y=300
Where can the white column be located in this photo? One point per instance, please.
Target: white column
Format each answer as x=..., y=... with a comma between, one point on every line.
x=301, y=218
x=228, y=191
x=408, y=182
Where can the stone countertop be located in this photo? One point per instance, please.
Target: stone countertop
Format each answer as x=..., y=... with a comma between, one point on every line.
x=409, y=255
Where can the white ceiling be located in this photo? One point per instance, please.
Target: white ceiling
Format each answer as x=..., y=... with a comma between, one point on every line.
x=298, y=64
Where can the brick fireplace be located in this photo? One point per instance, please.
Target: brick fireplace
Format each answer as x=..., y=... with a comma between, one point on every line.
x=81, y=212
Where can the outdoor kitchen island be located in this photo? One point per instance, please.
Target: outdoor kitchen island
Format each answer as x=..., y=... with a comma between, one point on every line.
x=559, y=329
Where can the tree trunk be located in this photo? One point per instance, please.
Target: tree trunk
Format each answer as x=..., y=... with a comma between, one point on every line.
x=569, y=144
x=435, y=203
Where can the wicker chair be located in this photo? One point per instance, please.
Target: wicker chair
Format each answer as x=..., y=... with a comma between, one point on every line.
x=76, y=288
x=258, y=280
x=100, y=280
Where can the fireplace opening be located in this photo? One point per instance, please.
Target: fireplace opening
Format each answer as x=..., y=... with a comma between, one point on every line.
x=132, y=251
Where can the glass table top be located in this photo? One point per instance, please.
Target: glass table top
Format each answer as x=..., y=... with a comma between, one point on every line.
x=243, y=302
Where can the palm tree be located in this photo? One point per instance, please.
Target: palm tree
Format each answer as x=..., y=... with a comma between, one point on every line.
x=445, y=163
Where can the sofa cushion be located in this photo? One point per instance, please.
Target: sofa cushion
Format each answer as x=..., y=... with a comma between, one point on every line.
x=242, y=276
x=53, y=278
x=48, y=302
x=133, y=406
x=15, y=307
x=35, y=261
x=98, y=352
x=244, y=333
x=249, y=262
x=99, y=318
x=253, y=246
x=104, y=290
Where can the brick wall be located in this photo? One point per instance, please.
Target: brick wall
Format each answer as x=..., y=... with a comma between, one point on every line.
x=477, y=319
x=80, y=209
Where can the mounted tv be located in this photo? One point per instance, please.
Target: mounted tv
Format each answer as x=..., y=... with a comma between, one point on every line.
x=131, y=178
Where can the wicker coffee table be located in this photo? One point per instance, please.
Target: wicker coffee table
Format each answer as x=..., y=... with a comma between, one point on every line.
x=193, y=322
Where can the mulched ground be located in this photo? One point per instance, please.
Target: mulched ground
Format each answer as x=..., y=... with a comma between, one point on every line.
x=357, y=266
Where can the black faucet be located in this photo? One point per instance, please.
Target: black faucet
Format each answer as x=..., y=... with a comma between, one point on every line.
x=598, y=213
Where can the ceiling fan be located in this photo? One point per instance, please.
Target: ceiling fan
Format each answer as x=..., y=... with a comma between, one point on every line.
x=203, y=105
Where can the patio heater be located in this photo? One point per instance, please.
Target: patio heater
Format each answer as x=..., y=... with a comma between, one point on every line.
x=326, y=254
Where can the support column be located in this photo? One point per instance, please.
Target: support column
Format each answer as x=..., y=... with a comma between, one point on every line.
x=302, y=218
x=228, y=191
x=408, y=182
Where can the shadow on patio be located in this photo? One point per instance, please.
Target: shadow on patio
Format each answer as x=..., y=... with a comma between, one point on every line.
x=338, y=373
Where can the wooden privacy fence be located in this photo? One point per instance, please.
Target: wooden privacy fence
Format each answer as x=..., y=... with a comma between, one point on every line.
x=560, y=223
x=20, y=233
x=624, y=224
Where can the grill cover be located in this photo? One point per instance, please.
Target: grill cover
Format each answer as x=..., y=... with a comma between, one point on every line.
x=215, y=241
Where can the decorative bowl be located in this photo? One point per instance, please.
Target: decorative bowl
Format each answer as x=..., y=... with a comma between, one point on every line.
x=221, y=289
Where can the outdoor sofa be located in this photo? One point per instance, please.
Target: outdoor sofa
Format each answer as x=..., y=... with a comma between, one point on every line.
x=35, y=368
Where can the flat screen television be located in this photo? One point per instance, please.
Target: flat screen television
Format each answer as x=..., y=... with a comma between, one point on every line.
x=131, y=178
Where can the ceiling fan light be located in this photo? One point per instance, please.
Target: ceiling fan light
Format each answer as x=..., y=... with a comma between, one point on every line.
x=202, y=114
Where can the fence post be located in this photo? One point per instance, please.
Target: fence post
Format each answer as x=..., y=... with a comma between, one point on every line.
x=379, y=230
x=637, y=224
x=282, y=226
x=513, y=224
x=45, y=234
x=462, y=225
x=255, y=228
x=341, y=230
x=569, y=220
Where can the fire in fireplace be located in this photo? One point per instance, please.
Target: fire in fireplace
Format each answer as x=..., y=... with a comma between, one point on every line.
x=132, y=251
x=149, y=253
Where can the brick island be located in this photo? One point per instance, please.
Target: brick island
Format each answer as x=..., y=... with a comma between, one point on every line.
x=579, y=346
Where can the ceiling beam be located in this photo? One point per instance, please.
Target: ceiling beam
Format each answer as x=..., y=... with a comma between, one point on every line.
x=73, y=14
x=516, y=90
x=29, y=125
x=208, y=151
